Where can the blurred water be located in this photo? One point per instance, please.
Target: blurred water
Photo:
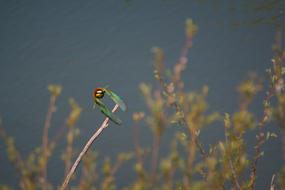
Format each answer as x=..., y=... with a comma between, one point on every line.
x=85, y=45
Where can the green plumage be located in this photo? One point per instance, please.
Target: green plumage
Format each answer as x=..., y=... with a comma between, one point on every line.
x=105, y=110
x=116, y=99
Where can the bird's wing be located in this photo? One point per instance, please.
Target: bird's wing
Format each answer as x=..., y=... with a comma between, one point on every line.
x=116, y=99
x=104, y=109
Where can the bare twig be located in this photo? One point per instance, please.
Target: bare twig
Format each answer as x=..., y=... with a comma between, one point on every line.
x=45, y=142
x=59, y=134
x=85, y=149
x=51, y=109
x=190, y=158
x=116, y=167
x=69, y=151
x=176, y=81
x=283, y=142
x=272, y=185
x=16, y=159
x=269, y=94
x=234, y=175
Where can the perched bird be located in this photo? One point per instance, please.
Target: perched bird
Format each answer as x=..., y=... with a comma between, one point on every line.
x=99, y=93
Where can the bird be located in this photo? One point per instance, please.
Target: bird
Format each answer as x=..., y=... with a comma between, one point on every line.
x=98, y=95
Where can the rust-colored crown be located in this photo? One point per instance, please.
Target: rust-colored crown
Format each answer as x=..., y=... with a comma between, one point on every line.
x=99, y=93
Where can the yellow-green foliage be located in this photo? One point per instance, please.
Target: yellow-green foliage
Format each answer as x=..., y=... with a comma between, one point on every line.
x=188, y=164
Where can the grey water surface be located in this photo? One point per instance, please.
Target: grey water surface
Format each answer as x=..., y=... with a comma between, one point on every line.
x=85, y=44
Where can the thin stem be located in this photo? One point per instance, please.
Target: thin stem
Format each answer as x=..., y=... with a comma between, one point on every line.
x=59, y=134
x=45, y=148
x=272, y=184
x=17, y=160
x=283, y=142
x=191, y=156
x=69, y=150
x=85, y=149
x=116, y=167
x=51, y=109
x=155, y=155
x=234, y=175
x=269, y=94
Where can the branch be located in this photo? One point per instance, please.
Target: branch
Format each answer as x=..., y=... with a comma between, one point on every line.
x=85, y=149
x=269, y=95
x=234, y=175
x=45, y=141
x=155, y=157
x=272, y=184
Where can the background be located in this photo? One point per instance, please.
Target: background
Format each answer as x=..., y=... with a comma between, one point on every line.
x=85, y=45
